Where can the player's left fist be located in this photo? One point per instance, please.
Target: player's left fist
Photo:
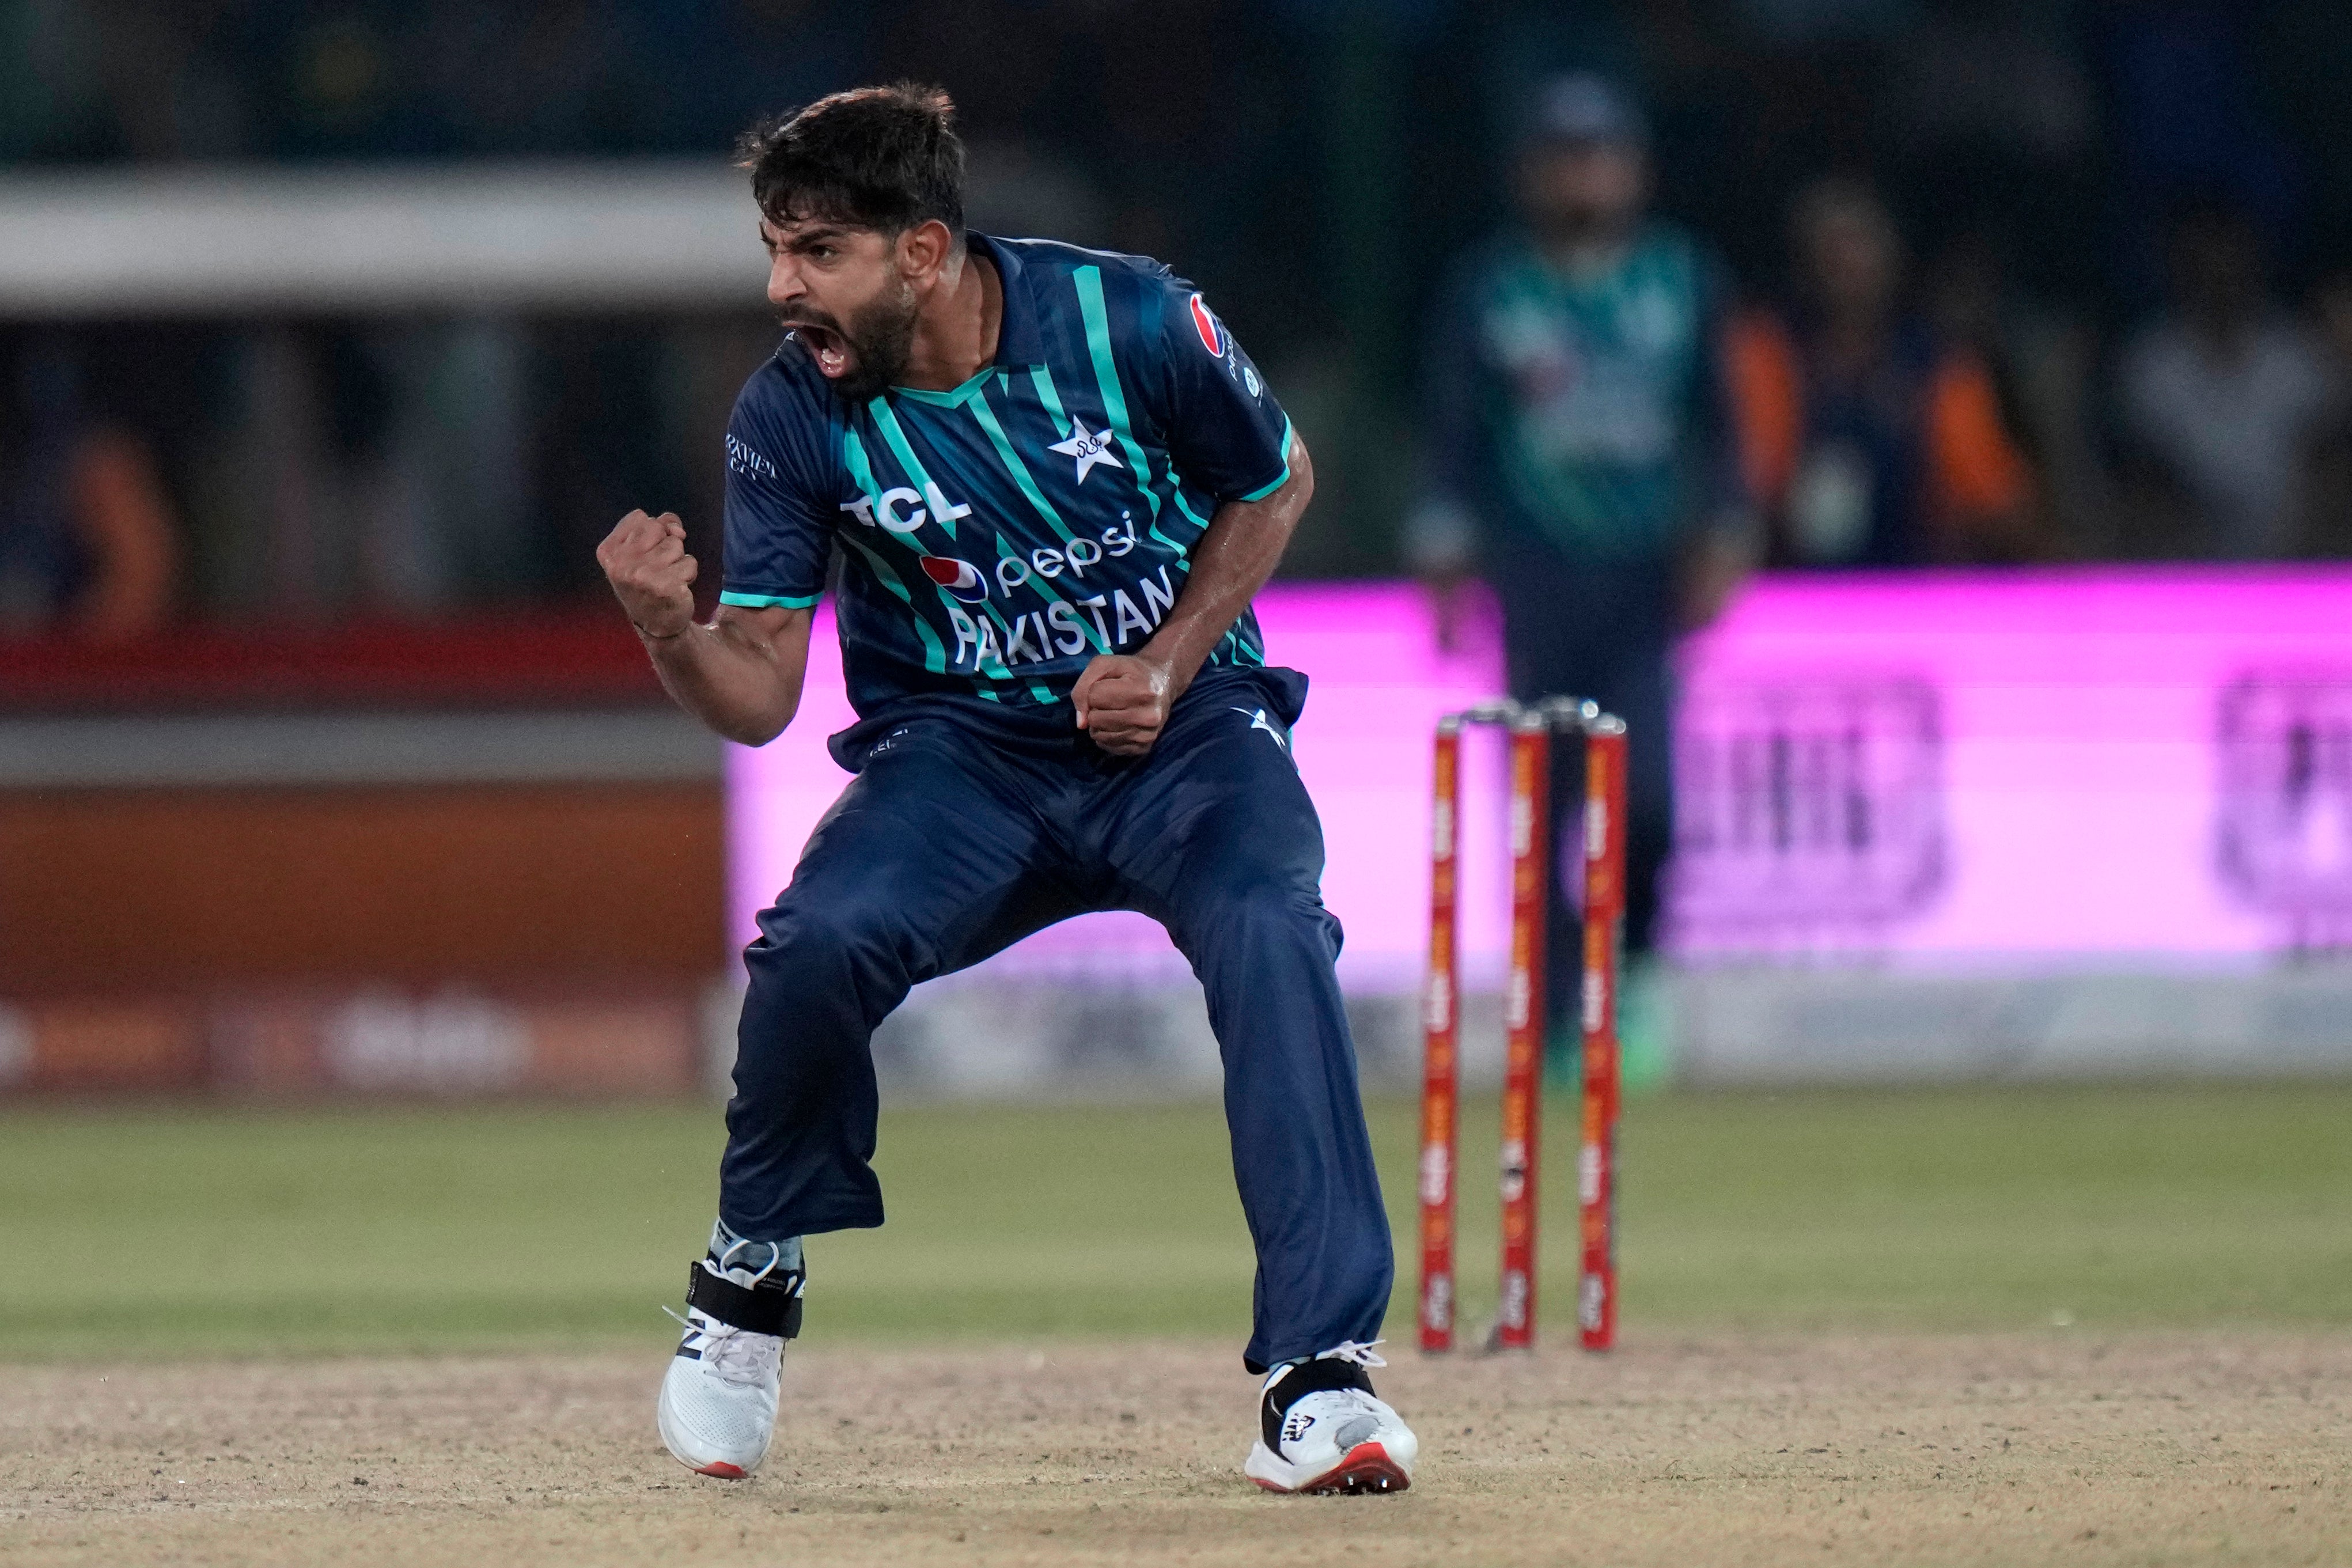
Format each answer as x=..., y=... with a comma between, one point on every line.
x=1123, y=701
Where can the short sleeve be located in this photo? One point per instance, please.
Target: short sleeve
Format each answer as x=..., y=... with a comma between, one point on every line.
x=1219, y=422
x=779, y=528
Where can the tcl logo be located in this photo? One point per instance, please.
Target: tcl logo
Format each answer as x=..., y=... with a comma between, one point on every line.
x=890, y=508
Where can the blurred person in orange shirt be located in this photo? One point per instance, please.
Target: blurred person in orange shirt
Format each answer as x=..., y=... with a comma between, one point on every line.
x=1868, y=439
x=88, y=543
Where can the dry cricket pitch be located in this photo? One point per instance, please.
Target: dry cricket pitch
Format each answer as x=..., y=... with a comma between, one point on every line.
x=2064, y=1447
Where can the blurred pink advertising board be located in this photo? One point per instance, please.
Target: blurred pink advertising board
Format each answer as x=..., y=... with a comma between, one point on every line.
x=2063, y=763
x=2052, y=767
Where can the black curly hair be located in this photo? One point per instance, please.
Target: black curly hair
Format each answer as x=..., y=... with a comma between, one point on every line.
x=884, y=158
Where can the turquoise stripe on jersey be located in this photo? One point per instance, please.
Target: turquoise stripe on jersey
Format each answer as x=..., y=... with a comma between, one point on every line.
x=1051, y=397
x=935, y=655
x=1096, y=316
x=861, y=470
x=1005, y=628
x=950, y=399
x=1088, y=280
x=768, y=601
x=986, y=417
x=1284, y=478
x=901, y=449
x=1176, y=494
x=887, y=423
x=1006, y=552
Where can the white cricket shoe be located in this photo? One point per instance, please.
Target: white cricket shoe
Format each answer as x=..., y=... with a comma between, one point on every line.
x=718, y=1404
x=1323, y=1431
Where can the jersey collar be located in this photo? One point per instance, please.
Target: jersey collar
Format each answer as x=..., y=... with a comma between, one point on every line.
x=1018, y=345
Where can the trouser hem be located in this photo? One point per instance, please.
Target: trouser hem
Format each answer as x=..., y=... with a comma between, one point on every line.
x=1261, y=1361
x=817, y=1224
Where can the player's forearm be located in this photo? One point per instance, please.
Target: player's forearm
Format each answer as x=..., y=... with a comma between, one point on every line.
x=1238, y=552
x=741, y=675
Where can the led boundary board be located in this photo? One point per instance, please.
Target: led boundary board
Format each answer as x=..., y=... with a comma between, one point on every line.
x=2095, y=763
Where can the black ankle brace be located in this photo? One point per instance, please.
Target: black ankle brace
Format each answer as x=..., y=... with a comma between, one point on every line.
x=773, y=1307
x=1306, y=1378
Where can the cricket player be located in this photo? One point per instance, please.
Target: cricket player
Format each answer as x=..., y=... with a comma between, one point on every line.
x=1581, y=461
x=1041, y=485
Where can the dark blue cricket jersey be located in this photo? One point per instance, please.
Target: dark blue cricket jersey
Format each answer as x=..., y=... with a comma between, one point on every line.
x=995, y=538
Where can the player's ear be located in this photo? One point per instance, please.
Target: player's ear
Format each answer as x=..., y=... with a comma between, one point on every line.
x=924, y=249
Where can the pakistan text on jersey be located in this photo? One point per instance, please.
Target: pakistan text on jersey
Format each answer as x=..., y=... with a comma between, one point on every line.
x=1059, y=631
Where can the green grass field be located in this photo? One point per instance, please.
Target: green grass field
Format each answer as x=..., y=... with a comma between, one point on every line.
x=178, y=1231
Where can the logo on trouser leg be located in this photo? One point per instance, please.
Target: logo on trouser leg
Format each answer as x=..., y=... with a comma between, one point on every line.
x=1257, y=716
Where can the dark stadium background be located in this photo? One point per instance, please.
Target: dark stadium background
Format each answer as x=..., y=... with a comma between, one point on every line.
x=358, y=784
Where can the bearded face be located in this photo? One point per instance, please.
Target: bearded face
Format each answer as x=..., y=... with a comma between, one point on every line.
x=863, y=352
x=846, y=296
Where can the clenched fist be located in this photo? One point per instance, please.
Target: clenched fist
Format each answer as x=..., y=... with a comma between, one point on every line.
x=646, y=561
x=1123, y=702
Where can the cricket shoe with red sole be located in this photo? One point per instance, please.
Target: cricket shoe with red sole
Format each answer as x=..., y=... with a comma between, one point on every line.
x=1322, y=1430
x=718, y=1404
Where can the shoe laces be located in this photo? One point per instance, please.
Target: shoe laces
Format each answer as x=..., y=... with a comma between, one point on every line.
x=738, y=1355
x=734, y=1355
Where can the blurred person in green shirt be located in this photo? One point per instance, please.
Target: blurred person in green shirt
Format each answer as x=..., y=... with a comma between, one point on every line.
x=1578, y=457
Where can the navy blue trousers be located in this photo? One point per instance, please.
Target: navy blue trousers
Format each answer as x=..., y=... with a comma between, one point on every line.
x=1605, y=632
x=965, y=832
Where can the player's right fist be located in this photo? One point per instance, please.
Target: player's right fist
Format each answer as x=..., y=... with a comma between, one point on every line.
x=646, y=561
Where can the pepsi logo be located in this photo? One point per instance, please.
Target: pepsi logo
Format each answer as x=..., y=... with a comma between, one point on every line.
x=962, y=579
x=1211, y=331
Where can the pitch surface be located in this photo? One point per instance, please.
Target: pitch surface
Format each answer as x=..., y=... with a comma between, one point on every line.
x=2145, y=1449
x=2097, y=1325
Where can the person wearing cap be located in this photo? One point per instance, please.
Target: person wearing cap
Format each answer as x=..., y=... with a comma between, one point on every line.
x=1578, y=457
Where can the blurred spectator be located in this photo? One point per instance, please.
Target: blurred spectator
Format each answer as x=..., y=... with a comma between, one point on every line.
x=2224, y=401
x=2044, y=362
x=1578, y=453
x=86, y=539
x=1868, y=439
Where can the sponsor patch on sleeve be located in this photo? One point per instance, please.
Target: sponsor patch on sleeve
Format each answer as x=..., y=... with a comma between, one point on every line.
x=1211, y=331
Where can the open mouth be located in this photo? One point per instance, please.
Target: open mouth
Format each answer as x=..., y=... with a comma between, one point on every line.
x=825, y=346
